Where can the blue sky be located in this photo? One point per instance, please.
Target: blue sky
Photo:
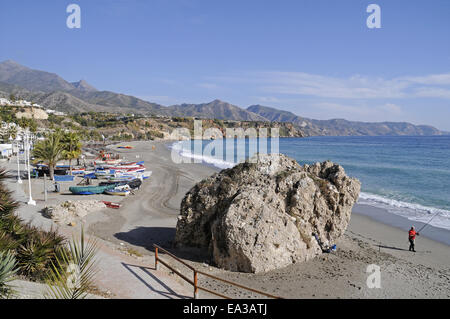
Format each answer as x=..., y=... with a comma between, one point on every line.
x=315, y=58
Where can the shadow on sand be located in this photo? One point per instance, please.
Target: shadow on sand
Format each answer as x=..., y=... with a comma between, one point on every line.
x=147, y=236
x=403, y=249
x=166, y=291
x=163, y=236
x=391, y=247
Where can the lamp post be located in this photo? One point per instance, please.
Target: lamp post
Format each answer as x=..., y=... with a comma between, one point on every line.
x=27, y=150
x=18, y=139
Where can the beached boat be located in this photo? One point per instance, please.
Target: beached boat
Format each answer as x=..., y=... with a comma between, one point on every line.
x=43, y=169
x=123, y=167
x=126, y=178
x=63, y=178
x=115, y=183
x=90, y=175
x=89, y=190
x=111, y=205
x=108, y=162
x=123, y=190
x=104, y=173
x=78, y=171
x=118, y=192
x=146, y=175
x=135, y=183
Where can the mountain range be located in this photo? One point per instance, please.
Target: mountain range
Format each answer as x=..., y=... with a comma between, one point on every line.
x=52, y=91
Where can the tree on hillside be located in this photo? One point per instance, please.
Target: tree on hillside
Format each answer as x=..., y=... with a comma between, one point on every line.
x=71, y=147
x=50, y=151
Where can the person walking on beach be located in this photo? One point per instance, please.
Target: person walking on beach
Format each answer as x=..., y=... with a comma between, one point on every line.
x=412, y=237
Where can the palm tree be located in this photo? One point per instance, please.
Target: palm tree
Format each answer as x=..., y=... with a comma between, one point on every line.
x=72, y=147
x=50, y=151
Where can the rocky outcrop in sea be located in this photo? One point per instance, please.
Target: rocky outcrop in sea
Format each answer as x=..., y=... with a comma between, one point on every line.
x=267, y=213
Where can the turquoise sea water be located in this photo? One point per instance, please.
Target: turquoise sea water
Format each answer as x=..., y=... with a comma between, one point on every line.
x=408, y=176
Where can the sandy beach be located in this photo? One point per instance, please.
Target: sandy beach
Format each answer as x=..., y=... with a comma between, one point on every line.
x=150, y=215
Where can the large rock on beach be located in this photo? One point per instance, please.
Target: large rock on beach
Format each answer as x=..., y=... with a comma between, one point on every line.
x=267, y=213
x=70, y=212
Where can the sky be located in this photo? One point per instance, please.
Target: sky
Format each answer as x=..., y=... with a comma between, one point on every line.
x=317, y=59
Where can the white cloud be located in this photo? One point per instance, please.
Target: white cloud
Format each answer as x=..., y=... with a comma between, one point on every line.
x=353, y=87
x=433, y=92
x=367, y=111
x=434, y=79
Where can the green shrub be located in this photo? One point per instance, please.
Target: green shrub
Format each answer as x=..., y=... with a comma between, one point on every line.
x=7, y=271
x=34, y=250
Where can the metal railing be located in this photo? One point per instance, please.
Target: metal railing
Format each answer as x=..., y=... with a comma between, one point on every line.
x=194, y=281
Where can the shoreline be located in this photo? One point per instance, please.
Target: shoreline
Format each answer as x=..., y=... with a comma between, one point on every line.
x=382, y=215
x=150, y=216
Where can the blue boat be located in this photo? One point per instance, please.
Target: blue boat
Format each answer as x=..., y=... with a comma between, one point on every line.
x=90, y=190
x=63, y=178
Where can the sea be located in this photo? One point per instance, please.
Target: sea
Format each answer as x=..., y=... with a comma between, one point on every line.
x=405, y=175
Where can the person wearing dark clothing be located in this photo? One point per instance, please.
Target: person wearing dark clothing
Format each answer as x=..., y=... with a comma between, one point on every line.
x=412, y=237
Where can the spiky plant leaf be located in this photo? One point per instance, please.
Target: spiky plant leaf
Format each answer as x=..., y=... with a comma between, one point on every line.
x=74, y=270
x=7, y=271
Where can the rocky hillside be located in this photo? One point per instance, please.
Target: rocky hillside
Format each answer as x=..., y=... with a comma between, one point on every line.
x=215, y=110
x=343, y=127
x=268, y=214
x=54, y=92
x=13, y=73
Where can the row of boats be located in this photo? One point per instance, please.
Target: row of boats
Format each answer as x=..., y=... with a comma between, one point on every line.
x=115, y=177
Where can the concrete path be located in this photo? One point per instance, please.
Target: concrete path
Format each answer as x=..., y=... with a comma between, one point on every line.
x=127, y=277
x=120, y=274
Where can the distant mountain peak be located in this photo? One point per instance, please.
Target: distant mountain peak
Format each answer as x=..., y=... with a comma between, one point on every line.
x=11, y=66
x=11, y=62
x=83, y=86
x=14, y=73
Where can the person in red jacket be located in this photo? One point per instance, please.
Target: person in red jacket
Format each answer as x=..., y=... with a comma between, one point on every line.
x=412, y=237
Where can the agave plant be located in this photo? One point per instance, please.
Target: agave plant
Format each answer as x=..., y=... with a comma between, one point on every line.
x=74, y=270
x=7, y=271
x=7, y=242
x=38, y=252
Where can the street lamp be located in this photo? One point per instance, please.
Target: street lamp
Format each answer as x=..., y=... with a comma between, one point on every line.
x=18, y=139
x=27, y=151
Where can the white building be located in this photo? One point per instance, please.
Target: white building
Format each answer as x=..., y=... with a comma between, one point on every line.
x=9, y=125
x=54, y=112
x=4, y=101
x=6, y=150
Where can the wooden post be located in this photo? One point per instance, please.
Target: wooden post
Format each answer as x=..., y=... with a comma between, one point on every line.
x=156, y=258
x=195, y=285
x=45, y=187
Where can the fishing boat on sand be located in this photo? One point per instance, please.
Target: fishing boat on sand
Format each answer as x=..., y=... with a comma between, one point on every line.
x=107, y=162
x=78, y=171
x=123, y=190
x=63, y=178
x=90, y=190
x=111, y=205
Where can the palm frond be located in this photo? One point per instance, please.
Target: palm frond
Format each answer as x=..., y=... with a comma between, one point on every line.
x=74, y=270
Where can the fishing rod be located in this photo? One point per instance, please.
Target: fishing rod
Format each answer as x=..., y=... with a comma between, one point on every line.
x=428, y=222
